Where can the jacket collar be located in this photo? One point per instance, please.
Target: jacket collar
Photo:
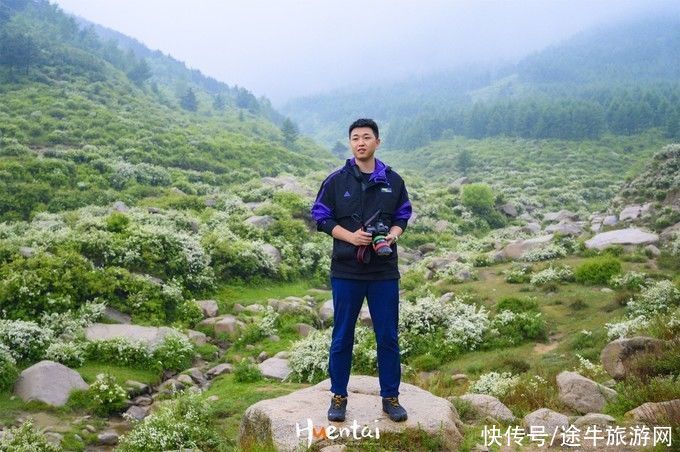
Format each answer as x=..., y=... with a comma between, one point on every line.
x=379, y=173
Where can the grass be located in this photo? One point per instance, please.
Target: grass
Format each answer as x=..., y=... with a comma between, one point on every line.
x=90, y=370
x=230, y=294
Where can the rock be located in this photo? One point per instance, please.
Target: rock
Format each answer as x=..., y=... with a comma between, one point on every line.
x=610, y=220
x=326, y=310
x=115, y=316
x=276, y=368
x=54, y=438
x=633, y=212
x=514, y=250
x=441, y=226
x=263, y=222
x=486, y=405
x=668, y=233
x=48, y=382
x=273, y=253
x=137, y=412
x=142, y=400
x=135, y=388
x=509, y=210
x=460, y=181
x=186, y=380
x=618, y=355
x=208, y=307
x=148, y=335
x=119, y=206
x=532, y=228
x=254, y=308
x=440, y=263
x=213, y=398
x=582, y=394
x=107, y=438
x=459, y=378
x=291, y=305
x=560, y=216
x=598, y=419
x=427, y=248
x=630, y=236
x=153, y=210
x=210, y=202
x=238, y=308
x=654, y=251
x=170, y=386
x=656, y=413
x=262, y=356
x=218, y=370
x=334, y=448
x=196, y=337
x=303, y=329
x=26, y=251
x=275, y=419
x=365, y=316
x=564, y=228
x=227, y=324
x=546, y=418
x=90, y=428
x=596, y=227
x=282, y=354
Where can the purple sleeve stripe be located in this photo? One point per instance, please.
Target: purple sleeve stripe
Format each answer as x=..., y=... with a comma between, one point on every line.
x=321, y=212
x=403, y=212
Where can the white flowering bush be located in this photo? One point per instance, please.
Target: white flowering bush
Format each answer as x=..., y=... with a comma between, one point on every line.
x=178, y=424
x=511, y=328
x=122, y=351
x=71, y=354
x=589, y=369
x=268, y=322
x=550, y=251
x=494, y=384
x=309, y=356
x=453, y=325
x=26, y=438
x=315, y=259
x=107, y=394
x=626, y=328
x=175, y=352
x=654, y=299
x=631, y=280
x=8, y=368
x=26, y=341
x=69, y=325
x=552, y=275
x=518, y=274
x=456, y=272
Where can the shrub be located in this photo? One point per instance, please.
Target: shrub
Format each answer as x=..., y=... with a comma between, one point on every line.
x=626, y=328
x=518, y=274
x=597, y=270
x=182, y=423
x=108, y=396
x=8, y=369
x=494, y=384
x=478, y=197
x=175, y=352
x=657, y=298
x=26, y=438
x=517, y=305
x=552, y=275
x=308, y=358
x=426, y=362
x=71, y=354
x=119, y=350
x=550, y=251
x=510, y=328
x=245, y=372
x=629, y=281
x=26, y=341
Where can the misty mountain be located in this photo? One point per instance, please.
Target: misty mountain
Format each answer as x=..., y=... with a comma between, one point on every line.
x=621, y=79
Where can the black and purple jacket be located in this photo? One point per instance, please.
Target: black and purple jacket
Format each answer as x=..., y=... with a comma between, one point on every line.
x=344, y=198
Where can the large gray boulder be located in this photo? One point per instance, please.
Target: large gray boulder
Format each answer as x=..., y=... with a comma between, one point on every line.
x=48, y=382
x=209, y=308
x=273, y=253
x=515, y=250
x=547, y=418
x=630, y=236
x=263, y=222
x=581, y=393
x=277, y=419
x=226, y=324
x=560, y=216
x=564, y=227
x=326, y=310
x=618, y=355
x=634, y=211
x=276, y=368
x=486, y=405
x=656, y=413
x=148, y=335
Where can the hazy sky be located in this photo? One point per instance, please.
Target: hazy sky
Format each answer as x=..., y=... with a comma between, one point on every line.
x=289, y=48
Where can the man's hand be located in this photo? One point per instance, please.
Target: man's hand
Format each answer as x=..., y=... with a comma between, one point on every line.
x=395, y=232
x=358, y=237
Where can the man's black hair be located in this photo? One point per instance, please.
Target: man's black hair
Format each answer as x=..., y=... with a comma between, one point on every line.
x=365, y=122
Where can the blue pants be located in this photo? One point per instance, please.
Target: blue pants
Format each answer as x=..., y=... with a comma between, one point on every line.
x=383, y=304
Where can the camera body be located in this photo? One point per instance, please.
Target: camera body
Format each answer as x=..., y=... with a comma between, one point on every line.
x=379, y=231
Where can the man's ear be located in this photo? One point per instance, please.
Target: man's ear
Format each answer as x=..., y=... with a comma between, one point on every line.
x=377, y=140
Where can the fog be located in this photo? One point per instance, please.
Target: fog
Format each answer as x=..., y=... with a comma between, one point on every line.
x=290, y=48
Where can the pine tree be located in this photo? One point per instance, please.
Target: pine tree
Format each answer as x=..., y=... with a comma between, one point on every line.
x=140, y=72
x=218, y=102
x=290, y=132
x=189, y=101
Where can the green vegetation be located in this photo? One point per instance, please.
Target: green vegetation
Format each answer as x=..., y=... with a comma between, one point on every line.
x=598, y=270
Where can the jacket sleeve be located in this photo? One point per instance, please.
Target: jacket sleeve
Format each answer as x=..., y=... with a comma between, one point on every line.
x=403, y=212
x=324, y=205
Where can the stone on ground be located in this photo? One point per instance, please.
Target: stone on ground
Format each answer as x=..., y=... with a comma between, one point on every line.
x=486, y=405
x=581, y=393
x=149, y=335
x=276, y=368
x=48, y=382
x=546, y=418
x=630, y=236
x=656, y=413
x=618, y=355
x=276, y=419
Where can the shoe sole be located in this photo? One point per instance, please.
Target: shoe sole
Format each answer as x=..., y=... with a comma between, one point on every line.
x=331, y=419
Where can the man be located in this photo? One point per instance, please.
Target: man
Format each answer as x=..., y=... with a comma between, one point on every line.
x=364, y=206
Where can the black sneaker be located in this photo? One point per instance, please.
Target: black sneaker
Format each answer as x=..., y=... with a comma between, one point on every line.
x=396, y=412
x=336, y=412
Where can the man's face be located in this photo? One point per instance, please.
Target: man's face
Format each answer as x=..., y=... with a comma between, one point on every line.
x=363, y=142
